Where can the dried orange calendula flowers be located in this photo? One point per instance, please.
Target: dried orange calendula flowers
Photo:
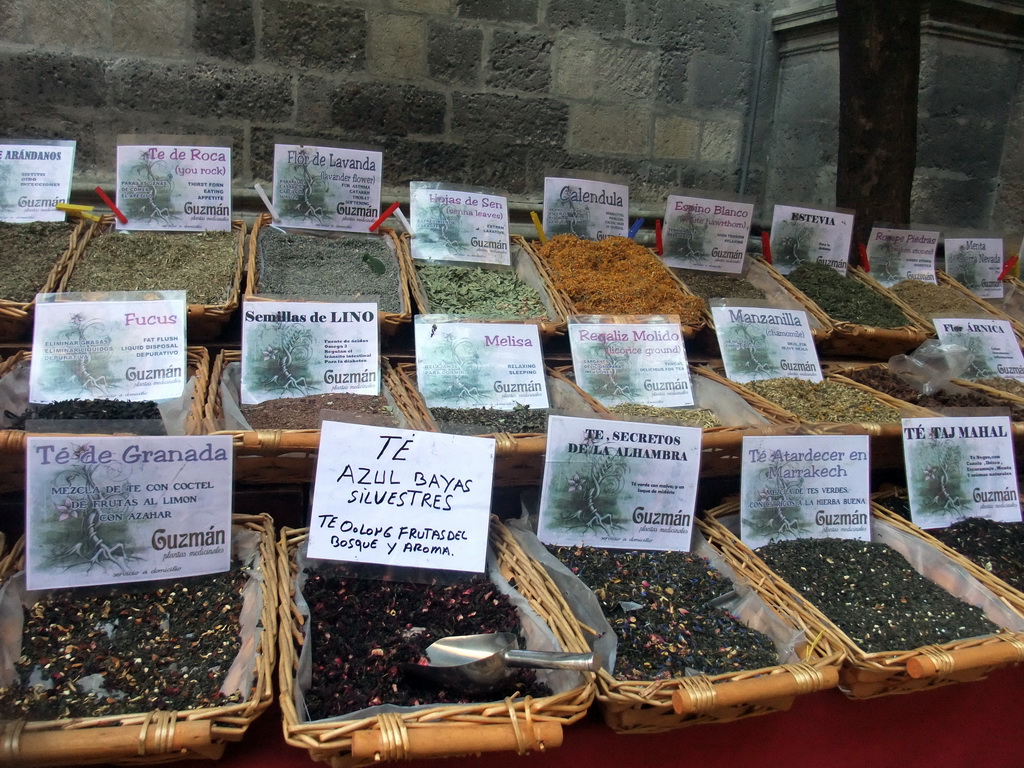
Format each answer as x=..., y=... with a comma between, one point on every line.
x=616, y=276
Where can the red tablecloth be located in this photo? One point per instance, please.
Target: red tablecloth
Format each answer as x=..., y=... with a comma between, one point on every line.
x=970, y=725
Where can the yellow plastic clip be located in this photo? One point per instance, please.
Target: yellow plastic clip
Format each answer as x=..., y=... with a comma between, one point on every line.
x=90, y=216
x=73, y=208
x=540, y=229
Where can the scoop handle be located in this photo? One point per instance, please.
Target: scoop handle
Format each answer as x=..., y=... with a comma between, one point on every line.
x=581, y=662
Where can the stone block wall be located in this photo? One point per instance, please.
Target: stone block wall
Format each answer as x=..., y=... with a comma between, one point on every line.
x=492, y=92
x=721, y=95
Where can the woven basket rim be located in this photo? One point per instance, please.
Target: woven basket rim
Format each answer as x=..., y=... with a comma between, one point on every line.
x=228, y=722
x=885, y=663
x=330, y=740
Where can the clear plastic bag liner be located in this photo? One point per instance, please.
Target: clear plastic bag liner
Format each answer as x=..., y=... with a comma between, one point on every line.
x=745, y=604
x=230, y=397
x=731, y=409
x=14, y=599
x=538, y=637
x=931, y=366
x=934, y=566
x=14, y=389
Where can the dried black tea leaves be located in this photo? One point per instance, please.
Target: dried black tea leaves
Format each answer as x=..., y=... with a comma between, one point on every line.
x=879, y=379
x=363, y=630
x=657, y=603
x=112, y=651
x=203, y=264
x=313, y=266
x=873, y=595
x=718, y=285
x=100, y=409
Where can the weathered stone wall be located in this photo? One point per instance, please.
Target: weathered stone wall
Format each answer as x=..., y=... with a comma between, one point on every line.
x=730, y=95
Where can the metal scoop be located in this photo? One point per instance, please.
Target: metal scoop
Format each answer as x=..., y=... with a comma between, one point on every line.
x=482, y=661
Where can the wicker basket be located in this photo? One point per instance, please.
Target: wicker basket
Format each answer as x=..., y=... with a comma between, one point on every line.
x=866, y=675
x=869, y=342
x=13, y=441
x=651, y=706
x=205, y=322
x=158, y=736
x=527, y=266
x=515, y=724
x=689, y=331
x=781, y=293
x=1008, y=594
x=390, y=322
x=284, y=455
x=16, y=316
x=1012, y=303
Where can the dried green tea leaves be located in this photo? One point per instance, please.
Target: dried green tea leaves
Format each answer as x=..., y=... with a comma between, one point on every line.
x=203, y=264
x=313, y=266
x=29, y=253
x=845, y=298
x=873, y=595
x=487, y=293
x=824, y=401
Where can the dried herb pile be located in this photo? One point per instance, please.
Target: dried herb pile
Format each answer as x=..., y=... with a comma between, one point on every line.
x=878, y=378
x=616, y=276
x=203, y=264
x=311, y=266
x=29, y=252
x=109, y=651
x=718, y=285
x=304, y=412
x=520, y=420
x=931, y=299
x=873, y=595
x=824, y=401
x=89, y=410
x=845, y=298
x=671, y=628
x=996, y=547
x=1012, y=386
x=488, y=293
x=362, y=630
x=704, y=418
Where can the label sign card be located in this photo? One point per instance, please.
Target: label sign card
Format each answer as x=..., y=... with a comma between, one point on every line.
x=706, y=234
x=902, y=254
x=619, y=485
x=117, y=350
x=800, y=235
x=804, y=487
x=454, y=225
x=293, y=349
x=591, y=210
x=34, y=177
x=960, y=467
x=327, y=187
x=641, y=362
x=996, y=351
x=761, y=343
x=474, y=365
x=110, y=510
x=402, y=498
x=174, y=187
x=975, y=262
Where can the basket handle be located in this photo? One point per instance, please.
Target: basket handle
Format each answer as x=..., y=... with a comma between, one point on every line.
x=934, y=661
x=697, y=695
x=452, y=740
